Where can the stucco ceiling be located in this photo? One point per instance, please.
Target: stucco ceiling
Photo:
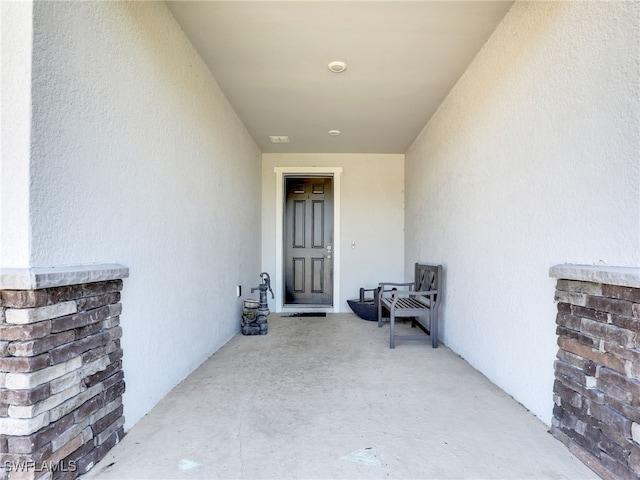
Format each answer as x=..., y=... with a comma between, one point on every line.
x=270, y=59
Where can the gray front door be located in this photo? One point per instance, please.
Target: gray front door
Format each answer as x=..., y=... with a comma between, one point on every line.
x=308, y=241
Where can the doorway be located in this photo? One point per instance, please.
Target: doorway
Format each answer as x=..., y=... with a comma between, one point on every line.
x=308, y=241
x=335, y=173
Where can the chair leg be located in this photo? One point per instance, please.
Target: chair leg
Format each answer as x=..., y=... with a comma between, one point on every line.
x=379, y=314
x=392, y=340
x=433, y=323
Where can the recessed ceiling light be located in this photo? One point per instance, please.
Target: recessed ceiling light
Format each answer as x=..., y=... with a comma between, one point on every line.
x=337, y=67
x=334, y=133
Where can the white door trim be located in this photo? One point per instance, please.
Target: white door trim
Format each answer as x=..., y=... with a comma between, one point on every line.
x=334, y=172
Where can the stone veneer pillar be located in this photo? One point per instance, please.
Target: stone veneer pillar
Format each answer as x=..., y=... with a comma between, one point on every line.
x=61, y=378
x=597, y=371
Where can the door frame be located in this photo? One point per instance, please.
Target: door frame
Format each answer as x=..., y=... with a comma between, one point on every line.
x=280, y=173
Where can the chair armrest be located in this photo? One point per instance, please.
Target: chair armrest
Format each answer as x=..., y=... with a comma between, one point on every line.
x=412, y=293
x=387, y=289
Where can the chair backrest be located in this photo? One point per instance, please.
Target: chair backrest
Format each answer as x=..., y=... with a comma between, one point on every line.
x=428, y=277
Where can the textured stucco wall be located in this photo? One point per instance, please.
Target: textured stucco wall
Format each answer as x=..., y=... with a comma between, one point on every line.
x=532, y=160
x=139, y=159
x=16, y=34
x=372, y=187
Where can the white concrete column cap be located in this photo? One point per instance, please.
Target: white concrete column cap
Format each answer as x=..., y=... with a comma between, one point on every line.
x=35, y=278
x=610, y=275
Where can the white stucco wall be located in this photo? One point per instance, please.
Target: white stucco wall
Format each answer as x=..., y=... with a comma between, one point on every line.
x=532, y=160
x=372, y=187
x=139, y=159
x=16, y=33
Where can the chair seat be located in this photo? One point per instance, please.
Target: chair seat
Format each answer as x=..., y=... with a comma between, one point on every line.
x=407, y=306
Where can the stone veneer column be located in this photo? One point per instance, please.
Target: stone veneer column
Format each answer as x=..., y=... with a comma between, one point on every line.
x=61, y=378
x=597, y=386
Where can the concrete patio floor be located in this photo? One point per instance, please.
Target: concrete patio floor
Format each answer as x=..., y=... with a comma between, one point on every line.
x=326, y=398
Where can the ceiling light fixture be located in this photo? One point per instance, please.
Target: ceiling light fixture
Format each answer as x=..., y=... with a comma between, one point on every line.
x=337, y=67
x=334, y=133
